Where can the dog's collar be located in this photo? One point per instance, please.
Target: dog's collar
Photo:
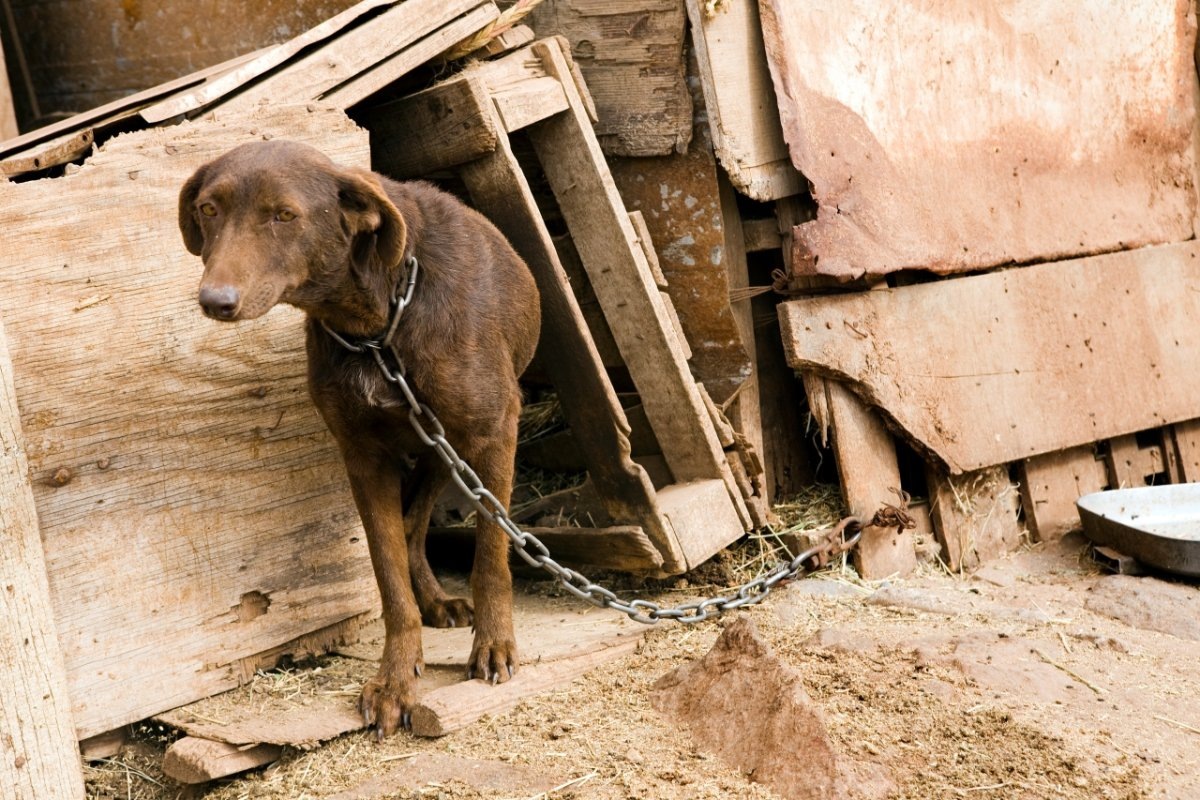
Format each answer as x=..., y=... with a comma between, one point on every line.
x=401, y=296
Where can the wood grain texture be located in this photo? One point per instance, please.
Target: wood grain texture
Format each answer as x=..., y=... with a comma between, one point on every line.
x=996, y=368
x=8, y=113
x=631, y=55
x=974, y=516
x=38, y=756
x=740, y=99
x=191, y=760
x=949, y=137
x=194, y=509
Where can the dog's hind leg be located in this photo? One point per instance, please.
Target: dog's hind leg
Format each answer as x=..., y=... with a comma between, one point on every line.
x=429, y=477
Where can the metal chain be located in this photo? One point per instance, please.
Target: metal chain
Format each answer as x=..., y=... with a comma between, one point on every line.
x=432, y=433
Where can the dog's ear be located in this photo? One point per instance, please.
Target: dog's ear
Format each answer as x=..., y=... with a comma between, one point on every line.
x=189, y=225
x=371, y=219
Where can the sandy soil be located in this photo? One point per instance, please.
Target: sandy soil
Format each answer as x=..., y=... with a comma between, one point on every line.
x=1036, y=678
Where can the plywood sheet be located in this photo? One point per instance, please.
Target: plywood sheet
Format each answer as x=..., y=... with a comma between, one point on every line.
x=193, y=509
x=999, y=367
x=631, y=55
x=960, y=135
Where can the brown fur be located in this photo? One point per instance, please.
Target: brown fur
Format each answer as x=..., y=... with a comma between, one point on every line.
x=278, y=222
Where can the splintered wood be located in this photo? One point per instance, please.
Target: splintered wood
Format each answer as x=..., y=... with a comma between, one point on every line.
x=959, y=136
x=193, y=509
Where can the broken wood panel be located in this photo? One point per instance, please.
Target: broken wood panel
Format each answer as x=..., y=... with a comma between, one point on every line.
x=740, y=99
x=262, y=64
x=1131, y=462
x=996, y=368
x=110, y=113
x=1050, y=485
x=679, y=198
x=40, y=758
x=52, y=153
x=890, y=108
x=631, y=55
x=601, y=230
x=529, y=101
x=355, y=51
x=703, y=519
x=1185, y=437
x=192, y=444
x=974, y=516
x=499, y=189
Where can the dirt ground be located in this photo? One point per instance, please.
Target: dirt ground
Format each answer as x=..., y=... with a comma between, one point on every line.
x=1037, y=677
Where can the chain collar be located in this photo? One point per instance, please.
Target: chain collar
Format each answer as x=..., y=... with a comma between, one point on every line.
x=401, y=297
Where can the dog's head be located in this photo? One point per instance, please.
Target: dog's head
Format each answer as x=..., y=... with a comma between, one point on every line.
x=277, y=221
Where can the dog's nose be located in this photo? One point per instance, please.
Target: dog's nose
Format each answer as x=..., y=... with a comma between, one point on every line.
x=219, y=302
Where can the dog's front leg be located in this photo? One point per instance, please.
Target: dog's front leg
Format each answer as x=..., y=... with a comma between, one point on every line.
x=494, y=651
x=388, y=698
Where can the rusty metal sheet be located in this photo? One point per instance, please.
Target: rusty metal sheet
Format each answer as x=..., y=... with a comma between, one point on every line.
x=959, y=135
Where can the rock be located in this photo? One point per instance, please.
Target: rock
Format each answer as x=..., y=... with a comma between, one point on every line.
x=916, y=600
x=1148, y=603
x=743, y=704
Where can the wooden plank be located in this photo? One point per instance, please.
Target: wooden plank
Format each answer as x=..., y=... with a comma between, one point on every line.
x=625, y=548
x=260, y=65
x=1130, y=463
x=996, y=368
x=530, y=101
x=372, y=80
x=631, y=55
x=53, y=153
x=190, y=760
x=355, y=55
x=452, y=708
x=885, y=146
x=193, y=444
x=1185, y=437
x=40, y=758
x=1050, y=485
x=761, y=234
x=499, y=189
x=118, y=109
x=740, y=99
x=601, y=230
x=679, y=198
x=511, y=39
x=703, y=519
x=974, y=515
x=438, y=128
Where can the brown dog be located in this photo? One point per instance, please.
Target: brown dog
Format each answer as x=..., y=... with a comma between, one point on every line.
x=278, y=222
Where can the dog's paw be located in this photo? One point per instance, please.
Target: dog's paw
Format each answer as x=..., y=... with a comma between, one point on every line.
x=449, y=612
x=492, y=661
x=386, y=703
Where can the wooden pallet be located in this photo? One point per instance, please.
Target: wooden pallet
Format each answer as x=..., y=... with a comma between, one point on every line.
x=700, y=509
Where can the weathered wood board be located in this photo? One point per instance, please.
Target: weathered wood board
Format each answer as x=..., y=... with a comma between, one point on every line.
x=1050, y=485
x=999, y=367
x=194, y=510
x=39, y=757
x=631, y=55
x=949, y=137
x=679, y=198
x=974, y=516
x=8, y=113
x=740, y=99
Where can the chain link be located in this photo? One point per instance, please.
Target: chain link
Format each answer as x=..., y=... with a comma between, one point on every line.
x=837, y=540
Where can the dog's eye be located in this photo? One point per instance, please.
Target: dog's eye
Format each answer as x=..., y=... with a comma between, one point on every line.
x=208, y=209
x=283, y=215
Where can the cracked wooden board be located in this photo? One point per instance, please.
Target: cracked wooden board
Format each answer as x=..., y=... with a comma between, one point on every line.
x=1000, y=367
x=949, y=137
